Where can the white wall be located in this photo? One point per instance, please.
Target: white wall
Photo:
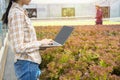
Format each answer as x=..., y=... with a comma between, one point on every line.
x=55, y=10
x=85, y=10
x=81, y=10
x=115, y=9
x=42, y=11
x=62, y=1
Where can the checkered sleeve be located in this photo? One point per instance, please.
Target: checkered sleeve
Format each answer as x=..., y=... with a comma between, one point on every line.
x=17, y=33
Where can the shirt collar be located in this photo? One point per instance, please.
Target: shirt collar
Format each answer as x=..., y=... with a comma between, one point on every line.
x=16, y=5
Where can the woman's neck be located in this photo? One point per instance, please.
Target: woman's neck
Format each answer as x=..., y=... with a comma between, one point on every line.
x=20, y=3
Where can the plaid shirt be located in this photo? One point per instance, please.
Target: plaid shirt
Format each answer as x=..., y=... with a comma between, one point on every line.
x=22, y=35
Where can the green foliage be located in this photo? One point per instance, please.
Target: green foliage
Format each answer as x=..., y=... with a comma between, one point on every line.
x=90, y=53
x=102, y=63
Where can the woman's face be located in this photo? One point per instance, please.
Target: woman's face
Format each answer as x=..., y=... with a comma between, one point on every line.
x=97, y=7
x=26, y=2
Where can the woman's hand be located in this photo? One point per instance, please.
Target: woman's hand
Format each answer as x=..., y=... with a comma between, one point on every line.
x=46, y=41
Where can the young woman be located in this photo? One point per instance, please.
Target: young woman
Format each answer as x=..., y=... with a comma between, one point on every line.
x=23, y=40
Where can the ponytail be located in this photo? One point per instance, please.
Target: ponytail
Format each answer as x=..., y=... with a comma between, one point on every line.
x=5, y=15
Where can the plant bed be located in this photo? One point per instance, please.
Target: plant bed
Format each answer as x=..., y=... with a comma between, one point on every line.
x=90, y=53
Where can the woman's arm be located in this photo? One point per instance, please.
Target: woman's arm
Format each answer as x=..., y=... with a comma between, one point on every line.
x=17, y=35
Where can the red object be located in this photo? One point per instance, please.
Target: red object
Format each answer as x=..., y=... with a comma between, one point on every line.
x=99, y=15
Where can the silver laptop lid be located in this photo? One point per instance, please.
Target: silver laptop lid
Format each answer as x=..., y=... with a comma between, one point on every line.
x=63, y=34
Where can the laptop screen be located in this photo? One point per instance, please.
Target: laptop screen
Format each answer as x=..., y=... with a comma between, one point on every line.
x=64, y=34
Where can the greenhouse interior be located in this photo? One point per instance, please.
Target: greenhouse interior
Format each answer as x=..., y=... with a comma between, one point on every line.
x=50, y=16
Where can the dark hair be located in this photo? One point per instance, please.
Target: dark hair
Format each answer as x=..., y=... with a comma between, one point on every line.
x=5, y=15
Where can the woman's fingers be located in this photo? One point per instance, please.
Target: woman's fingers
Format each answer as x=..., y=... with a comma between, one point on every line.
x=47, y=41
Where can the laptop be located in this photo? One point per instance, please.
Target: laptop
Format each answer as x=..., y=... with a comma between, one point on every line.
x=61, y=37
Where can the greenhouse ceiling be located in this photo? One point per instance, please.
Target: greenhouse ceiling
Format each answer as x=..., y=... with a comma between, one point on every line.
x=72, y=1
x=62, y=1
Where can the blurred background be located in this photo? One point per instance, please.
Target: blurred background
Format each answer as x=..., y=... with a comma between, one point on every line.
x=58, y=12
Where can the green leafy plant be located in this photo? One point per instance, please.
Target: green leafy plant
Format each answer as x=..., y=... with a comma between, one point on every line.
x=90, y=53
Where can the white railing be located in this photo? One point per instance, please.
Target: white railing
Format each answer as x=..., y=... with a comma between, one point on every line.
x=3, y=48
x=3, y=55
